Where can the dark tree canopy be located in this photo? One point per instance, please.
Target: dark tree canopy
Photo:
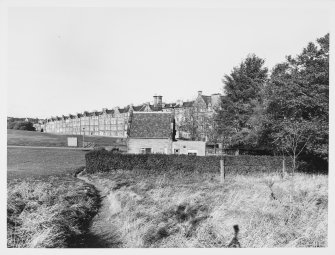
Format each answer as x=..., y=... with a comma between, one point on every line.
x=21, y=125
x=287, y=112
x=243, y=90
x=298, y=92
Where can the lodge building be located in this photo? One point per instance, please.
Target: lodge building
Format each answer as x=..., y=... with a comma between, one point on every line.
x=115, y=122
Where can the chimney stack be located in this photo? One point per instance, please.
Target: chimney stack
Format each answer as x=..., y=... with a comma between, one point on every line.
x=159, y=102
x=155, y=101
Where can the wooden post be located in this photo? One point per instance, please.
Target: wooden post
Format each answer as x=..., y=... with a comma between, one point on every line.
x=222, y=174
x=284, y=170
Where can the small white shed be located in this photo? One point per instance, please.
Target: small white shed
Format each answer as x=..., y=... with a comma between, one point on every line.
x=72, y=142
x=189, y=148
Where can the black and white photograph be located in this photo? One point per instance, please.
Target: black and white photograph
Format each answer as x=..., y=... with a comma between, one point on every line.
x=166, y=124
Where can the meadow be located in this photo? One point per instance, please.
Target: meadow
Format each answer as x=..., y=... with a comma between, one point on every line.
x=28, y=162
x=196, y=210
x=48, y=207
x=32, y=138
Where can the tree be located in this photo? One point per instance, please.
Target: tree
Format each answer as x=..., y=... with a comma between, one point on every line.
x=297, y=98
x=23, y=125
x=242, y=103
x=293, y=136
x=191, y=122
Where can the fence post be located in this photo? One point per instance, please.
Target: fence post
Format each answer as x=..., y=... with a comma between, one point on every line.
x=284, y=170
x=222, y=174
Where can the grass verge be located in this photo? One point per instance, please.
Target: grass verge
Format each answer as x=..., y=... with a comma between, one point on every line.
x=51, y=212
x=25, y=162
x=196, y=210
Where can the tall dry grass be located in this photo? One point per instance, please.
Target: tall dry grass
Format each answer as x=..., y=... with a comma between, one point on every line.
x=53, y=212
x=198, y=211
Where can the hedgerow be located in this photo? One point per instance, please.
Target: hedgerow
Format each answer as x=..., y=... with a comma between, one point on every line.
x=104, y=161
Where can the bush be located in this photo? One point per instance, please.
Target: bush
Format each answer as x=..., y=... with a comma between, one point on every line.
x=21, y=125
x=104, y=161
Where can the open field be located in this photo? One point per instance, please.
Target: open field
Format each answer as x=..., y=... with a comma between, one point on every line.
x=53, y=212
x=31, y=138
x=27, y=162
x=50, y=208
x=46, y=205
x=147, y=210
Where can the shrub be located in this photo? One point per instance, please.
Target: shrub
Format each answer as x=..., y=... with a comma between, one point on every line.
x=104, y=161
x=21, y=125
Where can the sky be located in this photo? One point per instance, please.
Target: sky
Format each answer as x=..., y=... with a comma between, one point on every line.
x=64, y=60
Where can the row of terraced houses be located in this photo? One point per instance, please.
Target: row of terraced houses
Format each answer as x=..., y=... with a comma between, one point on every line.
x=114, y=122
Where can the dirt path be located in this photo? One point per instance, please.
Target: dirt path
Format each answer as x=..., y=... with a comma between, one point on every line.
x=102, y=233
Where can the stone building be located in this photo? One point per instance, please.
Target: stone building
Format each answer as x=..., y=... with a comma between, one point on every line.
x=150, y=132
x=194, y=119
x=114, y=122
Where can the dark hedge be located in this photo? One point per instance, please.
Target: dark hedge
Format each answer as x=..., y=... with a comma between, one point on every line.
x=103, y=161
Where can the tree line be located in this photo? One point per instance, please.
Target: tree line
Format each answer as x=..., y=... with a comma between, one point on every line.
x=285, y=110
x=21, y=124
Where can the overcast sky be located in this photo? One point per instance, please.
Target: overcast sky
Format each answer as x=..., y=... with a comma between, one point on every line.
x=65, y=60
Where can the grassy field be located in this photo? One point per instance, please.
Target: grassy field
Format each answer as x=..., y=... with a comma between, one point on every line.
x=198, y=211
x=31, y=138
x=52, y=212
x=46, y=205
x=27, y=162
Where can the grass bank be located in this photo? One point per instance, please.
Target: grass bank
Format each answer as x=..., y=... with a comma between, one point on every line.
x=178, y=210
x=49, y=212
x=32, y=138
x=27, y=162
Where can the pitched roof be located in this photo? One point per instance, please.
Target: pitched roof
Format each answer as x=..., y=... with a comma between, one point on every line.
x=188, y=104
x=170, y=105
x=124, y=110
x=152, y=108
x=150, y=125
x=207, y=99
x=138, y=108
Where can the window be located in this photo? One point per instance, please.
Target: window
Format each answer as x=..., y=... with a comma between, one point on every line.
x=145, y=150
x=192, y=152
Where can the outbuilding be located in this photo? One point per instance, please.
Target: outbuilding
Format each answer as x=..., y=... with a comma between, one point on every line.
x=189, y=147
x=150, y=132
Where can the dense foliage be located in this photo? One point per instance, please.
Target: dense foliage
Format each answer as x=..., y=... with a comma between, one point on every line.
x=287, y=112
x=103, y=161
x=241, y=106
x=297, y=109
x=20, y=125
